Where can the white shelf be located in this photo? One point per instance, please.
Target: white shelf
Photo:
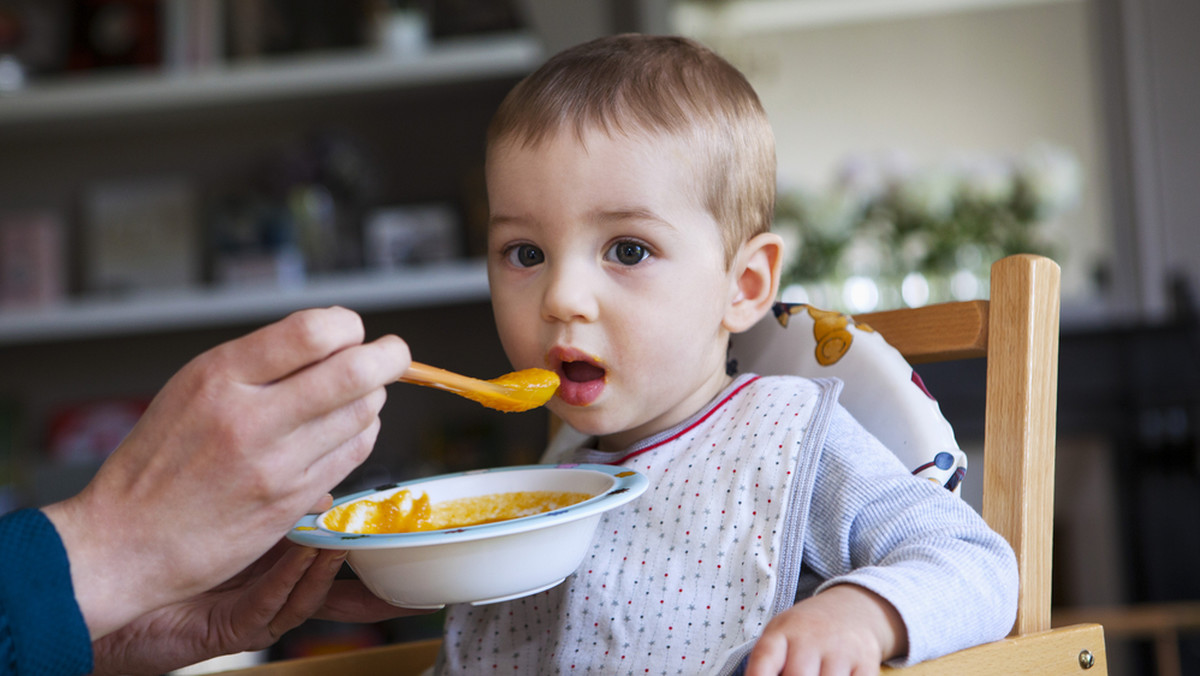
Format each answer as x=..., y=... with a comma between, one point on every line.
x=437, y=284
x=755, y=16
x=99, y=95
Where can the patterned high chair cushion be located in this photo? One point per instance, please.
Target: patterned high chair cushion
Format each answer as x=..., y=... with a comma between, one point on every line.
x=881, y=389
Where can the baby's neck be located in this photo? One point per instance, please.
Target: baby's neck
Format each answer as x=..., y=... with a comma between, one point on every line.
x=696, y=405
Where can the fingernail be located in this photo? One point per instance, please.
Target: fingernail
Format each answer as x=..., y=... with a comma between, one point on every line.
x=336, y=562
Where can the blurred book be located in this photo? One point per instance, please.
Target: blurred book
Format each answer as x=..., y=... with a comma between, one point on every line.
x=115, y=34
x=193, y=34
x=458, y=18
x=283, y=268
x=400, y=236
x=258, y=28
x=36, y=34
x=32, y=259
x=86, y=433
x=140, y=235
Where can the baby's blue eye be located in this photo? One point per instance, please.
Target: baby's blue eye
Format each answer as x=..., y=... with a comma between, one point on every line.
x=629, y=253
x=527, y=255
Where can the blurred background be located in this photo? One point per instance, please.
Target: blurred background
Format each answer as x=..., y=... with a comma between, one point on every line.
x=174, y=173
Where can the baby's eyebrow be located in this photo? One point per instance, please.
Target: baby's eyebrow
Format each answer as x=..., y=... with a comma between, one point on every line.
x=496, y=220
x=640, y=214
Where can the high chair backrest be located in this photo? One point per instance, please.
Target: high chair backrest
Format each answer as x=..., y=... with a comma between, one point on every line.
x=879, y=387
x=1017, y=331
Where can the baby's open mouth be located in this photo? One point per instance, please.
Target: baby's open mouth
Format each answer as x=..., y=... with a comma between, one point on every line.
x=582, y=377
x=581, y=371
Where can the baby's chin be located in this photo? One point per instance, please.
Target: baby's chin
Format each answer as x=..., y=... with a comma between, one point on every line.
x=584, y=420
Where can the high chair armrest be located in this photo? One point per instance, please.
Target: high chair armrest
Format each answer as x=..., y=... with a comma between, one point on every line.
x=1057, y=652
x=932, y=333
x=399, y=659
x=1076, y=650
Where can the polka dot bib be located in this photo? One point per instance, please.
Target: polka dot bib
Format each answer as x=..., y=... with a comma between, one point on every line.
x=684, y=579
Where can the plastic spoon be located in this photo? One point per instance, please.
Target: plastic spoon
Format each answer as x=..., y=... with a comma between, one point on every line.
x=517, y=391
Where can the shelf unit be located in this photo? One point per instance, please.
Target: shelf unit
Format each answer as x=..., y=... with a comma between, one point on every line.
x=93, y=97
x=434, y=284
x=62, y=135
x=752, y=16
x=84, y=101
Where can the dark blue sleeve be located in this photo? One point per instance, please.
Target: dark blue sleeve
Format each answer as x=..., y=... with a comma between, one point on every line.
x=42, y=632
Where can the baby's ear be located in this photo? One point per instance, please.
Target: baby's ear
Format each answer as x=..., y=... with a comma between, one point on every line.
x=754, y=279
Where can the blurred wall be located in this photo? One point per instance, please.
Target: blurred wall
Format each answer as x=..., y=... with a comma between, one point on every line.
x=937, y=86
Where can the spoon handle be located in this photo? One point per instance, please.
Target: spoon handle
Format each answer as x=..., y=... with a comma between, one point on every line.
x=432, y=376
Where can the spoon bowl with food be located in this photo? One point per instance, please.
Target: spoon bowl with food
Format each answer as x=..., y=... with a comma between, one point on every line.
x=513, y=392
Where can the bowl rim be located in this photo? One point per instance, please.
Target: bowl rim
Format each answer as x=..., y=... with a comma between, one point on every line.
x=627, y=485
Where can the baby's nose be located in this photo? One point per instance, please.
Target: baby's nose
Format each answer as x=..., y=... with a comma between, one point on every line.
x=569, y=296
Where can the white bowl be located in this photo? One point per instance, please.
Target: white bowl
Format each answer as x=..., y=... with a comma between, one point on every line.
x=485, y=563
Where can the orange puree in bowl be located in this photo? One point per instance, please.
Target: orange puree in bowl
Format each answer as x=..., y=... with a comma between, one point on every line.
x=402, y=513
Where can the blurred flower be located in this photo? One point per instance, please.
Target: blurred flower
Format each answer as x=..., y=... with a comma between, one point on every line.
x=835, y=213
x=912, y=251
x=987, y=180
x=870, y=177
x=927, y=194
x=884, y=217
x=821, y=224
x=1051, y=178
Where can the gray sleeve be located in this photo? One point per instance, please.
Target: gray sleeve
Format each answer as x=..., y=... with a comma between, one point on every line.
x=873, y=524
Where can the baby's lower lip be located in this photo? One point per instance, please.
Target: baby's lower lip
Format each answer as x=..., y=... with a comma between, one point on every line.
x=579, y=394
x=581, y=383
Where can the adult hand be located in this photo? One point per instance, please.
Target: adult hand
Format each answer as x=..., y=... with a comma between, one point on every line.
x=235, y=448
x=250, y=611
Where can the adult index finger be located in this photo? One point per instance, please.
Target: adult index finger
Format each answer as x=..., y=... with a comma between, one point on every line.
x=340, y=379
x=290, y=344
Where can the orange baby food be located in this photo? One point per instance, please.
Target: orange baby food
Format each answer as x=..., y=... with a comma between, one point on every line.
x=402, y=513
x=526, y=389
x=499, y=507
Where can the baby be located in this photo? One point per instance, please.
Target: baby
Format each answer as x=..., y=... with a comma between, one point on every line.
x=631, y=185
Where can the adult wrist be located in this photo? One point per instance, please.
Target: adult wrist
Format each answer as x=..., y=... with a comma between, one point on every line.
x=105, y=571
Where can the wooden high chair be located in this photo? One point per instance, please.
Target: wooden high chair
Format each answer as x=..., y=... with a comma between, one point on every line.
x=1017, y=331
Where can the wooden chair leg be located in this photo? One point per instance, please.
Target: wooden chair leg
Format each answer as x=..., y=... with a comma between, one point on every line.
x=1166, y=653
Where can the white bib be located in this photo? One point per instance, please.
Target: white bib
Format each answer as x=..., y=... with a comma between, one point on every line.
x=685, y=578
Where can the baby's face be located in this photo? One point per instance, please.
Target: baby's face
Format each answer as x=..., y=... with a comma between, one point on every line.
x=606, y=268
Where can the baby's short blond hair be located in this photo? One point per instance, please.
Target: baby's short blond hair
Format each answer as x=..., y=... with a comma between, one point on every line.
x=630, y=84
